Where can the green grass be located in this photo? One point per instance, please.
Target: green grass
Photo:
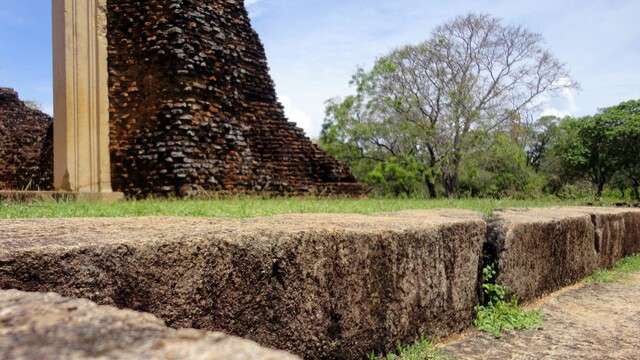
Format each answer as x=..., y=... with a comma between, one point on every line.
x=252, y=207
x=618, y=273
x=422, y=349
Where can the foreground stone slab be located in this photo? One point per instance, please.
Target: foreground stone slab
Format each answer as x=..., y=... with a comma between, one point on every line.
x=538, y=251
x=49, y=326
x=320, y=286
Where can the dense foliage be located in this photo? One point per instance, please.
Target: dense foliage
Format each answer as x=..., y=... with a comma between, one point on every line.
x=604, y=147
x=455, y=116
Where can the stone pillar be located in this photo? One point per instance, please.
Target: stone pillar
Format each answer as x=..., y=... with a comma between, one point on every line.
x=81, y=101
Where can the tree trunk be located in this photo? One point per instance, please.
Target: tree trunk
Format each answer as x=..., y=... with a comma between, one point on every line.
x=635, y=189
x=432, y=188
x=451, y=185
x=452, y=178
x=599, y=191
x=429, y=178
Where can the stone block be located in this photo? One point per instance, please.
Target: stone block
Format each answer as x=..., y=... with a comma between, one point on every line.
x=48, y=326
x=320, y=286
x=538, y=251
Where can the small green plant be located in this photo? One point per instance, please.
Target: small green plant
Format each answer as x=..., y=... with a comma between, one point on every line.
x=497, y=315
x=420, y=350
x=494, y=293
x=28, y=186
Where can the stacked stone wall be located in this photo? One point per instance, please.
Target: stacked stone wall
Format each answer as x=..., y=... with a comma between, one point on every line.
x=26, y=145
x=193, y=107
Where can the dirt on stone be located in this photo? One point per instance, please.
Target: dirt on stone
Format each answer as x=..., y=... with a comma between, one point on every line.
x=594, y=321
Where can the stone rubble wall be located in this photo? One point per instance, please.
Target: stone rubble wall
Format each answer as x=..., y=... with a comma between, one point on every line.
x=193, y=107
x=26, y=145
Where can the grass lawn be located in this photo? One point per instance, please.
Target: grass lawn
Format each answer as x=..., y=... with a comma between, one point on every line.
x=618, y=273
x=252, y=207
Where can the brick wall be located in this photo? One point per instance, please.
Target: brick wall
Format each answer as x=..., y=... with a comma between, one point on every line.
x=26, y=145
x=193, y=107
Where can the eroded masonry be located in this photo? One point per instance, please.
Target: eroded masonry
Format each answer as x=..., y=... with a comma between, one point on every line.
x=192, y=107
x=26, y=154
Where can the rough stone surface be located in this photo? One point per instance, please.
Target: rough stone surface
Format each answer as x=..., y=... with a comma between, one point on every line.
x=591, y=322
x=320, y=286
x=538, y=251
x=26, y=145
x=48, y=326
x=193, y=107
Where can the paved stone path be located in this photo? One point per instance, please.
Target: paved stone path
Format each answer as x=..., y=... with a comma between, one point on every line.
x=588, y=322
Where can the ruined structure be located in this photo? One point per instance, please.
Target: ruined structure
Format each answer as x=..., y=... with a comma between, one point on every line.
x=192, y=106
x=26, y=154
x=173, y=97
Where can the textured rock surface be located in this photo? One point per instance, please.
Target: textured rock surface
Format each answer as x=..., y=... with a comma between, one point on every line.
x=538, y=251
x=26, y=145
x=592, y=322
x=320, y=286
x=193, y=106
x=48, y=326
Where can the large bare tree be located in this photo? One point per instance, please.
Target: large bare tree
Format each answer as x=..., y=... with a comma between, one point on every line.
x=473, y=75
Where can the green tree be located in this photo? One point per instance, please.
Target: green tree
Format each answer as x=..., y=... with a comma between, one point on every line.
x=400, y=177
x=597, y=147
x=540, y=137
x=627, y=134
x=589, y=150
x=427, y=102
x=498, y=169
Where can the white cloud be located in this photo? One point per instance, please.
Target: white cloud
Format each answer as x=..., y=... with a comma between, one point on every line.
x=564, y=105
x=561, y=105
x=296, y=115
x=250, y=2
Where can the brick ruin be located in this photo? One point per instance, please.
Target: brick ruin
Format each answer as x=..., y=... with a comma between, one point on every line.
x=193, y=109
x=26, y=151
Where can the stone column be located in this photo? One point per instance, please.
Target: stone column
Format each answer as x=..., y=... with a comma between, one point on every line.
x=81, y=101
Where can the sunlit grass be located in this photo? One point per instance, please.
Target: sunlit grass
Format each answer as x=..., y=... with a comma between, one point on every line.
x=420, y=350
x=618, y=273
x=252, y=207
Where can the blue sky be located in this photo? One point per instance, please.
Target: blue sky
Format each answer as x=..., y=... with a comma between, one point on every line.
x=314, y=46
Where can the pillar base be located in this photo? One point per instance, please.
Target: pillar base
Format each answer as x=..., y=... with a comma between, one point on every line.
x=26, y=196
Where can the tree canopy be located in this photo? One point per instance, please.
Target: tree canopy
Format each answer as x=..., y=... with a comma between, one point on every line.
x=428, y=106
x=600, y=146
